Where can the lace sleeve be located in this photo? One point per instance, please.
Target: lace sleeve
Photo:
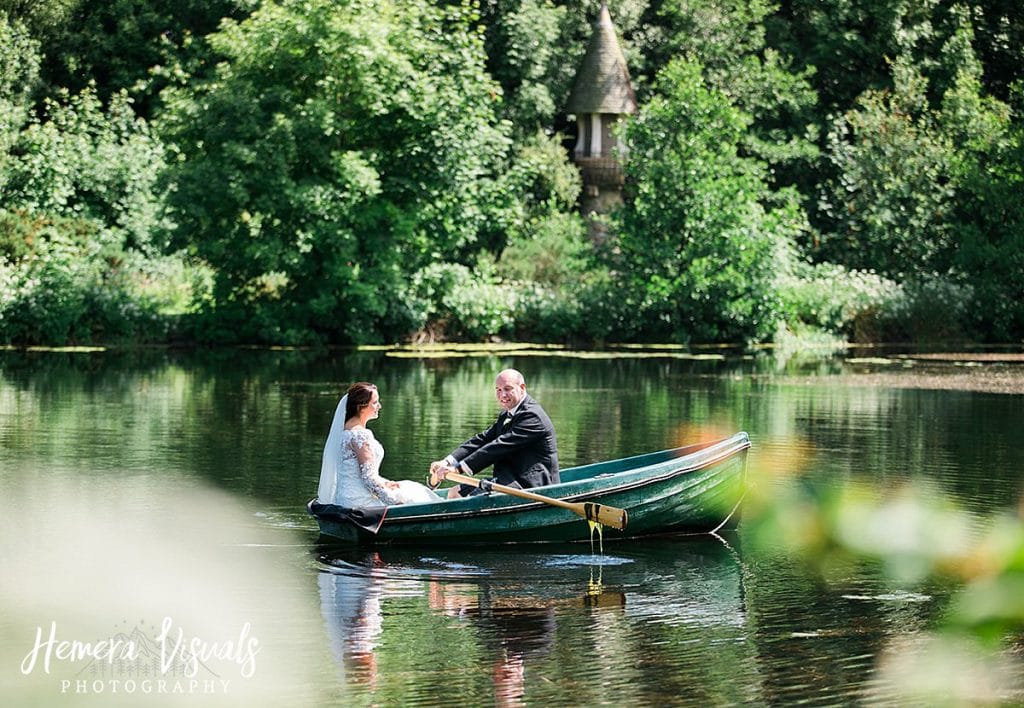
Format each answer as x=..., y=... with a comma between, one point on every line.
x=368, y=464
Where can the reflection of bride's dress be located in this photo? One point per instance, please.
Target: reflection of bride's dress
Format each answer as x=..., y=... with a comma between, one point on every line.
x=358, y=475
x=351, y=608
x=350, y=605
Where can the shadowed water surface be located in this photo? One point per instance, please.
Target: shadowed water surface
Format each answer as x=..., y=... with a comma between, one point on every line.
x=155, y=484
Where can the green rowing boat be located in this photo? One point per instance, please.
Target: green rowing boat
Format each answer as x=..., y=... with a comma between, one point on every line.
x=691, y=489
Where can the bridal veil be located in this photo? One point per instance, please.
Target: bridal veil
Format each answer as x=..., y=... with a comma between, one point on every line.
x=328, y=489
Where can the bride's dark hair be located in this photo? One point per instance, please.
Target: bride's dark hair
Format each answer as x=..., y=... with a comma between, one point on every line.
x=359, y=395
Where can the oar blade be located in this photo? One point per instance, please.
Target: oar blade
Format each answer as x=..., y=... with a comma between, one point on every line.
x=606, y=515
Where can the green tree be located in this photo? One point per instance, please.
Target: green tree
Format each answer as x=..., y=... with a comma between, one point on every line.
x=891, y=201
x=77, y=262
x=989, y=216
x=539, y=184
x=698, y=250
x=133, y=45
x=729, y=39
x=524, y=55
x=42, y=18
x=903, y=165
x=997, y=39
x=83, y=162
x=339, y=148
x=78, y=209
x=19, y=73
x=850, y=42
x=991, y=225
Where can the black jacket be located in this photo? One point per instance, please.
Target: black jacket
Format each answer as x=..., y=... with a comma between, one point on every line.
x=521, y=447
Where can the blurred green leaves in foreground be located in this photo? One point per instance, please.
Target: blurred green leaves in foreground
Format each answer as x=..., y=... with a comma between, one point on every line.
x=917, y=537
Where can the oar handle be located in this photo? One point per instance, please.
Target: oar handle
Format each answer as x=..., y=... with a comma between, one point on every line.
x=591, y=511
x=487, y=485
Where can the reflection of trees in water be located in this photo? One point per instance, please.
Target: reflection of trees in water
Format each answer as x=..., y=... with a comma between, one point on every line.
x=813, y=637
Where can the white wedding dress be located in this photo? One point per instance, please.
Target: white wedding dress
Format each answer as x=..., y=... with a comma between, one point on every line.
x=350, y=471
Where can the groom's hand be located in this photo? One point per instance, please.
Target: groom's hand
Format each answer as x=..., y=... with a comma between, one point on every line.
x=437, y=471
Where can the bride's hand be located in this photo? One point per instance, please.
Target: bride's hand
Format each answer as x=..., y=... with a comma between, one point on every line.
x=389, y=484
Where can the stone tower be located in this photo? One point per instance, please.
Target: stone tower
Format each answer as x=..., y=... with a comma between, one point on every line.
x=601, y=94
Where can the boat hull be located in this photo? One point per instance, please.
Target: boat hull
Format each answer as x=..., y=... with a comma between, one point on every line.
x=693, y=489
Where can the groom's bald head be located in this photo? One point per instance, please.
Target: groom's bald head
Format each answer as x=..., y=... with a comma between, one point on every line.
x=509, y=388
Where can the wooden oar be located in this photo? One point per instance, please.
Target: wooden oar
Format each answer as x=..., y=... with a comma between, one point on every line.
x=591, y=511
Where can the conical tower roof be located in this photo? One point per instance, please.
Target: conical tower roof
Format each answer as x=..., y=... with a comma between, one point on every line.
x=602, y=83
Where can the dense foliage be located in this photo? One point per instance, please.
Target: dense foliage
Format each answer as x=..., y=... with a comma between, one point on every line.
x=698, y=247
x=353, y=171
x=338, y=149
x=78, y=216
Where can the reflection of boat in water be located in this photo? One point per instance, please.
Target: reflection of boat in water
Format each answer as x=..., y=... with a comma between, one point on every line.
x=692, y=489
x=518, y=610
x=685, y=580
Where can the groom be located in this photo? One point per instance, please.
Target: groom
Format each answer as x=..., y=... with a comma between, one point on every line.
x=521, y=443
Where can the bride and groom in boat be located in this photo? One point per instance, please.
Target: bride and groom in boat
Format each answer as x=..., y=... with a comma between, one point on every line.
x=520, y=445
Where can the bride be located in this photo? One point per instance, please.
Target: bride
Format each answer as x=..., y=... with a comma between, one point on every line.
x=350, y=470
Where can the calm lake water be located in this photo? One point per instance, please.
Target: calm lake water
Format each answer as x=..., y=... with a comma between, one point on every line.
x=154, y=502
